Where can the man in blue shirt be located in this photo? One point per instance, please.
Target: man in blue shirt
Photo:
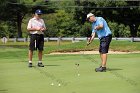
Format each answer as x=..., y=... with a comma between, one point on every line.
x=99, y=26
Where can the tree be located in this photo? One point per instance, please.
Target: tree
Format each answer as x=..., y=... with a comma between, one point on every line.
x=61, y=21
x=66, y=26
x=128, y=15
x=14, y=13
x=8, y=25
x=17, y=9
x=118, y=11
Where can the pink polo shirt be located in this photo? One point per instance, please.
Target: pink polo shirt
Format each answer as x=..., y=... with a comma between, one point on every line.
x=33, y=22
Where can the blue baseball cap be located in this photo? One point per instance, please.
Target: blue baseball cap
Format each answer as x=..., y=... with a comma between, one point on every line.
x=38, y=11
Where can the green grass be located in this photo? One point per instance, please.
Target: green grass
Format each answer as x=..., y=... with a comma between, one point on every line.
x=68, y=46
x=15, y=77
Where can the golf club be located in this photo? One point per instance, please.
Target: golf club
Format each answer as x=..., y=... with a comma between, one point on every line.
x=89, y=40
x=77, y=69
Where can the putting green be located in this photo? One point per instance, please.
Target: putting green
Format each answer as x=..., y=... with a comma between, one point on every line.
x=15, y=77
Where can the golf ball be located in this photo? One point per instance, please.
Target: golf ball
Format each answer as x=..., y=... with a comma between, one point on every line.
x=59, y=85
x=52, y=84
x=78, y=74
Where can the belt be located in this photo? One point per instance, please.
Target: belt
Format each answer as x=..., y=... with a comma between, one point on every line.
x=36, y=34
x=106, y=36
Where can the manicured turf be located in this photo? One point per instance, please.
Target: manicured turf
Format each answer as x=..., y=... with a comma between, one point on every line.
x=67, y=46
x=15, y=77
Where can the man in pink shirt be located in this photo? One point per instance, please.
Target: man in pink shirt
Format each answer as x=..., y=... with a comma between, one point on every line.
x=36, y=28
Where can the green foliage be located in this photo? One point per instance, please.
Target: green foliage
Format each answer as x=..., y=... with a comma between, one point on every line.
x=101, y=3
x=114, y=28
x=3, y=30
x=119, y=30
x=124, y=31
x=51, y=25
x=139, y=31
x=61, y=24
x=86, y=30
x=65, y=23
x=67, y=18
x=8, y=29
x=64, y=5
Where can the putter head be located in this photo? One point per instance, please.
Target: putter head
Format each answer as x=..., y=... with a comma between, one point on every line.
x=88, y=43
x=89, y=40
x=77, y=64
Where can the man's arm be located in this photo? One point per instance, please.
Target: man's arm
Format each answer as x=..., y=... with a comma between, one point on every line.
x=30, y=28
x=100, y=26
x=91, y=39
x=44, y=26
x=34, y=29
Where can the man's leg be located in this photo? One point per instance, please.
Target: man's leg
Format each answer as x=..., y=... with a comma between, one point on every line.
x=40, y=53
x=30, y=55
x=102, y=68
x=103, y=49
x=40, y=44
x=104, y=59
x=103, y=55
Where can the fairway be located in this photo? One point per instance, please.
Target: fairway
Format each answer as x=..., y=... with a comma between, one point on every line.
x=60, y=74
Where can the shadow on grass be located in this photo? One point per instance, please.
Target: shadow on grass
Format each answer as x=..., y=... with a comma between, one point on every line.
x=3, y=90
x=51, y=65
x=14, y=46
x=45, y=65
x=113, y=69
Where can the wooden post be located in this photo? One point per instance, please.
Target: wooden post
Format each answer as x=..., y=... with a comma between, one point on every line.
x=132, y=39
x=73, y=39
x=58, y=41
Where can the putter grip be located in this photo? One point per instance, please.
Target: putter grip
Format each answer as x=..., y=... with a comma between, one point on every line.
x=89, y=40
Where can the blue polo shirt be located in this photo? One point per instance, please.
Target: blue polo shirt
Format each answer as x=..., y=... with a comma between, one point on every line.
x=105, y=31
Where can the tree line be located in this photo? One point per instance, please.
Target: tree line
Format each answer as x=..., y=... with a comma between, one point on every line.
x=68, y=18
